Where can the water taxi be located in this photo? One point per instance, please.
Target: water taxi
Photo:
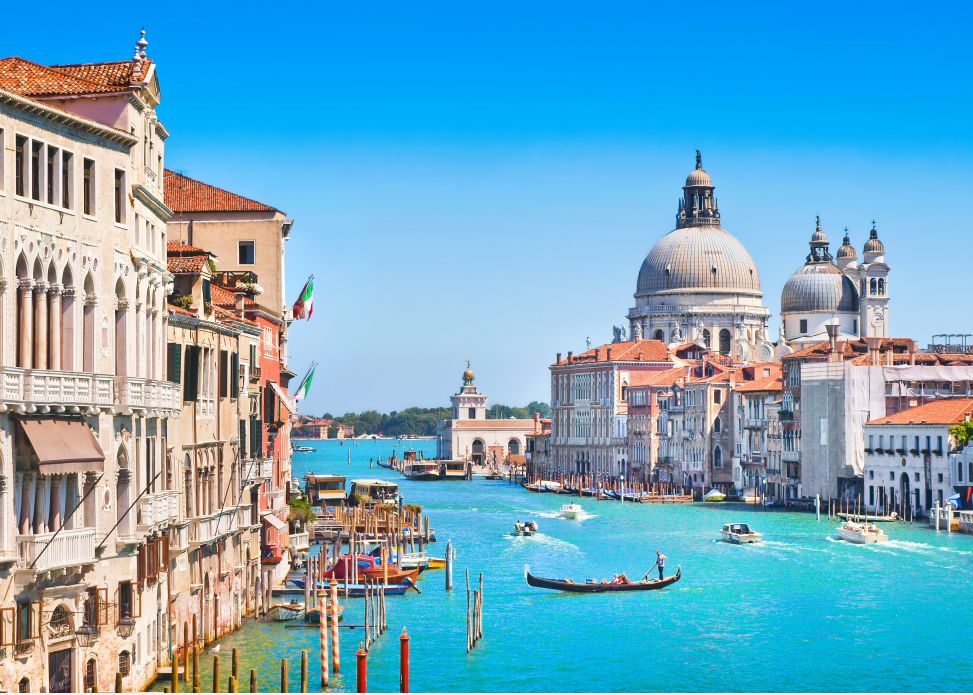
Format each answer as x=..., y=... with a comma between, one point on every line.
x=862, y=534
x=525, y=528
x=421, y=470
x=571, y=511
x=305, y=449
x=377, y=491
x=740, y=534
x=714, y=496
x=453, y=470
x=325, y=489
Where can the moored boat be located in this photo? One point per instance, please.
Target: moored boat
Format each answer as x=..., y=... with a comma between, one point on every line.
x=861, y=534
x=421, y=470
x=740, y=534
x=599, y=587
x=314, y=615
x=285, y=612
x=714, y=496
x=871, y=517
x=571, y=511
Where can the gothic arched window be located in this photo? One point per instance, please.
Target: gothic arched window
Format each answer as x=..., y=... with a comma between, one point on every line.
x=881, y=287
x=706, y=338
x=725, y=342
x=873, y=286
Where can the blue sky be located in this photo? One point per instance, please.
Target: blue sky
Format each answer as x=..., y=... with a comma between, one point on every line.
x=483, y=181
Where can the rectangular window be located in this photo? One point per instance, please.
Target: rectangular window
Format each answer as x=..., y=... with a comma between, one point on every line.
x=224, y=373
x=871, y=441
x=247, y=253
x=36, y=169
x=67, y=180
x=120, y=196
x=803, y=328
x=235, y=375
x=472, y=414
x=207, y=292
x=20, y=162
x=871, y=495
x=88, y=167
x=717, y=396
x=174, y=363
x=53, y=180
x=128, y=600
x=939, y=443
x=190, y=391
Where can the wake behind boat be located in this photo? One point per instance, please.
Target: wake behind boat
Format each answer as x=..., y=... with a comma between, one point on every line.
x=571, y=511
x=592, y=586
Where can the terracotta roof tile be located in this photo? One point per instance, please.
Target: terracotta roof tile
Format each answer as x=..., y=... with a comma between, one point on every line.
x=187, y=264
x=177, y=247
x=770, y=383
x=625, y=351
x=173, y=309
x=184, y=194
x=663, y=378
x=946, y=411
x=31, y=79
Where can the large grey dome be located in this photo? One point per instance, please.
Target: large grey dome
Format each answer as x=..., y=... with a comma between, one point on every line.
x=819, y=287
x=699, y=259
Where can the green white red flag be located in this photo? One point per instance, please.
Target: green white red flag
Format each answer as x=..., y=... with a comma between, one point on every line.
x=302, y=390
x=304, y=306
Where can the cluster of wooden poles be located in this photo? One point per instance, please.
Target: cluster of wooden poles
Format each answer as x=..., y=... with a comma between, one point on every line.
x=855, y=509
x=640, y=490
x=474, y=613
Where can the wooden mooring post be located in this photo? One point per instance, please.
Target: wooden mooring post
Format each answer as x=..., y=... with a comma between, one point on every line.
x=284, y=684
x=216, y=673
x=474, y=613
x=449, y=565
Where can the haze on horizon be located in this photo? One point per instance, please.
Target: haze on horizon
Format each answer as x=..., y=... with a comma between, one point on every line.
x=484, y=182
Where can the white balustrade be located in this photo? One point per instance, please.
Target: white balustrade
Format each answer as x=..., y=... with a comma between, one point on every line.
x=159, y=507
x=299, y=541
x=66, y=549
x=206, y=529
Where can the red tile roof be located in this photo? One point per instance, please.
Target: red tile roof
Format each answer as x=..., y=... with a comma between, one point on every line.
x=30, y=79
x=184, y=194
x=624, y=351
x=187, y=264
x=663, y=378
x=946, y=411
x=769, y=383
x=179, y=248
x=179, y=310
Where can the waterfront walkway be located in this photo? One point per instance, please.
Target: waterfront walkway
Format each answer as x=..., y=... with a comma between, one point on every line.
x=796, y=606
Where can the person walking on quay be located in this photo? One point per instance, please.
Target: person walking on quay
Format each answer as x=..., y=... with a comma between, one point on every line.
x=660, y=562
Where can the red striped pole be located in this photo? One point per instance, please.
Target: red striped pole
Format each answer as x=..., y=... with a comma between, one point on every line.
x=404, y=662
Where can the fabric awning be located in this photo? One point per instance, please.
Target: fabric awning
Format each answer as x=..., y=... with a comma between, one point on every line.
x=284, y=399
x=274, y=521
x=64, y=446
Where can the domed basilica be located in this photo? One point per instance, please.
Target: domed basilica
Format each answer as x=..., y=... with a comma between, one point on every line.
x=698, y=283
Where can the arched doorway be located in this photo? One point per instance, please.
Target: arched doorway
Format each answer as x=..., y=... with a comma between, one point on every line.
x=513, y=446
x=478, y=451
x=660, y=335
x=904, y=488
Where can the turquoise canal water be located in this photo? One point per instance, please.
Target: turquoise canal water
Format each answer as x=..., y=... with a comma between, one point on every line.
x=802, y=611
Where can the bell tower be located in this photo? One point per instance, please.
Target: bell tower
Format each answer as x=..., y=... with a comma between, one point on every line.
x=873, y=274
x=468, y=403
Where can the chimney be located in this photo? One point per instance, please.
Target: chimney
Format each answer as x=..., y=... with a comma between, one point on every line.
x=873, y=343
x=609, y=357
x=537, y=423
x=832, y=336
x=570, y=355
x=559, y=358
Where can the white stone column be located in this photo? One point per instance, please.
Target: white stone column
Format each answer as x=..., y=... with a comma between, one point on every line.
x=40, y=325
x=67, y=323
x=26, y=289
x=54, y=319
x=55, y=516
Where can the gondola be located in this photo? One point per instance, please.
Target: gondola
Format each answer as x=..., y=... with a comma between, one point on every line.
x=598, y=587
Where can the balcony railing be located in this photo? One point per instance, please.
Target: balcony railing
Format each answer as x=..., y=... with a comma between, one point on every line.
x=257, y=470
x=67, y=549
x=299, y=541
x=790, y=456
x=27, y=389
x=275, y=500
x=786, y=415
x=137, y=393
x=756, y=423
x=157, y=508
x=210, y=528
x=247, y=516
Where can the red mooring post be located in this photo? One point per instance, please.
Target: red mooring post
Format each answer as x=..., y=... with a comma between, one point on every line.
x=404, y=662
x=362, y=668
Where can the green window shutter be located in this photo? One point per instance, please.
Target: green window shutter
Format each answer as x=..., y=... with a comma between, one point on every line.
x=191, y=384
x=224, y=377
x=174, y=363
x=235, y=376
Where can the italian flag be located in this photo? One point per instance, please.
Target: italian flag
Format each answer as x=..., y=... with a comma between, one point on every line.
x=305, y=386
x=304, y=306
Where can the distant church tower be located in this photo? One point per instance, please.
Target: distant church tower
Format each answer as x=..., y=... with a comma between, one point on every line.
x=469, y=403
x=873, y=284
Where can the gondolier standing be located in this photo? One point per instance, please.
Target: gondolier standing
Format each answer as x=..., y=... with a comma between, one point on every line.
x=660, y=562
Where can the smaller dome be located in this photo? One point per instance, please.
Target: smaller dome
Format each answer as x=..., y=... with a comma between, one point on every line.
x=819, y=237
x=874, y=244
x=847, y=251
x=819, y=287
x=699, y=178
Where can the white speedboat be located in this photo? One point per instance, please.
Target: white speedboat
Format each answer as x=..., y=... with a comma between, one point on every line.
x=571, y=511
x=862, y=534
x=740, y=534
x=714, y=496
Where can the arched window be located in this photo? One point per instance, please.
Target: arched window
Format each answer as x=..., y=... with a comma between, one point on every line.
x=90, y=676
x=873, y=286
x=88, y=325
x=513, y=446
x=706, y=338
x=25, y=302
x=60, y=623
x=121, y=330
x=66, y=319
x=959, y=471
x=881, y=287
x=724, y=342
x=717, y=457
x=122, y=487
x=24, y=685
x=124, y=662
x=660, y=335
x=716, y=424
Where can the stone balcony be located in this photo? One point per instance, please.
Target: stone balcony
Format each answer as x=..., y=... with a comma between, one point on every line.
x=158, y=508
x=276, y=500
x=299, y=541
x=256, y=470
x=66, y=549
x=46, y=390
x=212, y=527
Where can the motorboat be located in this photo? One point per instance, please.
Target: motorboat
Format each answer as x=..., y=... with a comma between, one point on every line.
x=571, y=511
x=285, y=612
x=861, y=533
x=421, y=470
x=875, y=518
x=714, y=496
x=740, y=534
x=525, y=528
x=304, y=449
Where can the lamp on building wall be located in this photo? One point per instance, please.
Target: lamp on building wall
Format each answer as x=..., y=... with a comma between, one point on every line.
x=125, y=627
x=86, y=634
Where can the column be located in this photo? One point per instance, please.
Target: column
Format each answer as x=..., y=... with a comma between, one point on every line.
x=68, y=321
x=139, y=370
x=27, y=504
x=55, y=516
x=40, y=325
x=54, y=320
x=26, y=288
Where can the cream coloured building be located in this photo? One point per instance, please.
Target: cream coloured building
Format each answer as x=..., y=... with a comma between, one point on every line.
x=470, y=436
